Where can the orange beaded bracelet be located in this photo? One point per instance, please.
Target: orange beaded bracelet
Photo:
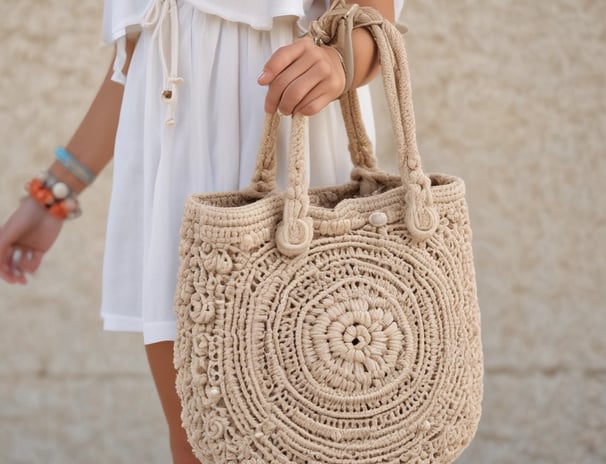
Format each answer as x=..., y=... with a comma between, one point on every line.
x=54, y=195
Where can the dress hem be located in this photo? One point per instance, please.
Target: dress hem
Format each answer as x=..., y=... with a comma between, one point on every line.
x=153, y=332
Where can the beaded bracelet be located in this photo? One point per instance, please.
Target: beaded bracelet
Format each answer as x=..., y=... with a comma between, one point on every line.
x=74, y=166
x=54, y=195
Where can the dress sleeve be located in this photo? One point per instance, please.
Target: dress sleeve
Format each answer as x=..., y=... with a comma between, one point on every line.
x=121, y=18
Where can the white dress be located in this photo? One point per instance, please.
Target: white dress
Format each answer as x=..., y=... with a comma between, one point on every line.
x=203, y=140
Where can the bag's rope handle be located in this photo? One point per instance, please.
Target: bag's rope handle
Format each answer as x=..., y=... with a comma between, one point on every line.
x=295, y=232
x=421, y=216
x=264, y=175
x=333, y=27
x=360, y=149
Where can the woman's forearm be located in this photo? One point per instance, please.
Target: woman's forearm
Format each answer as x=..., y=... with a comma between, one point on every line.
x=93, y=142
x=366, y=57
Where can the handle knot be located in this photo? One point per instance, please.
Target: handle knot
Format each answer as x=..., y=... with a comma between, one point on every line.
x=294, y=238
x=421, y=217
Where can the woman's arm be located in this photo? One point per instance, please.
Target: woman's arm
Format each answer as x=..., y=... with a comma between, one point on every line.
x=304, y=78
x=31, y=230
x=366, y=56
x=93, y=142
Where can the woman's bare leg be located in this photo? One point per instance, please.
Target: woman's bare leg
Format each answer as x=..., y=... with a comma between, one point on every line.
x=160, y=357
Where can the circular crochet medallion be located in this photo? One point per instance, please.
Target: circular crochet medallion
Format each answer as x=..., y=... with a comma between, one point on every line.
x=352, y=336
x=338, y=353
x=348, y=354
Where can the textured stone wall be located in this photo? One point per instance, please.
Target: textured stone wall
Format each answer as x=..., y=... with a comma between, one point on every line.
x=508, y=94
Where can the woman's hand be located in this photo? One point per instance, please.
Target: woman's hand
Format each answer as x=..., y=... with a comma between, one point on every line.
x=24, y=239
x=302, y=78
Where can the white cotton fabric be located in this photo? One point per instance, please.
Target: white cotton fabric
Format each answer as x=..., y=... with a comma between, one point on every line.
x=120, y=16
x=211, y=147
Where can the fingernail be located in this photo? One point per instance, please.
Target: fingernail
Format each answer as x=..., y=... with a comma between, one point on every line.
x=261, y=75
x=17, y=253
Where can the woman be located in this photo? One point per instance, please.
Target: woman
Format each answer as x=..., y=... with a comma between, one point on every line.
x=198, y=76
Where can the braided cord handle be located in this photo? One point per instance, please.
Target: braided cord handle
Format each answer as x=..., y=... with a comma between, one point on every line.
x=295, y=232
x=421, y=217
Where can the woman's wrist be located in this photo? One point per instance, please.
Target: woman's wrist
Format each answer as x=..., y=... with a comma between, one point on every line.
x=54, y=195
x=62, y=174
x=366, y=57
x=69, y=170
x=339, y=65
x=74, y=166
x=344, y=29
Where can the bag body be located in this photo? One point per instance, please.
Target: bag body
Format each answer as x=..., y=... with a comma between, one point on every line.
x=333, y=325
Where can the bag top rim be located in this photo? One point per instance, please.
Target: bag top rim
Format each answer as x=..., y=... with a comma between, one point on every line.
x=213, y=208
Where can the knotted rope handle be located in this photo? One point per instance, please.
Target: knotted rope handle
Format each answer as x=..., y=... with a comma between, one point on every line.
x=295, y=232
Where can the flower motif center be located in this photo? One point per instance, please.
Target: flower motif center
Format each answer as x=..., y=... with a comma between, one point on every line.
x=358, y=336
x=357, y=339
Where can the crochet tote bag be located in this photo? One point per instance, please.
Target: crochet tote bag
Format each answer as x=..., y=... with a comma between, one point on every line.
x=332, y=325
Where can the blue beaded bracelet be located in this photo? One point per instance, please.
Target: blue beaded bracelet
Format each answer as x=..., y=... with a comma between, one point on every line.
x=74, y=166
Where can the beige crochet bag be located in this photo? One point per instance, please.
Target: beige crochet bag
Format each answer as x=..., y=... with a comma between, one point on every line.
x=334, y=325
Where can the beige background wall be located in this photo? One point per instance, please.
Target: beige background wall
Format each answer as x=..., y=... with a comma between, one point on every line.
x=509, y=94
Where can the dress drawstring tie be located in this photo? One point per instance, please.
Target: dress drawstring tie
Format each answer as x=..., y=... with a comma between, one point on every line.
x=163, y=17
